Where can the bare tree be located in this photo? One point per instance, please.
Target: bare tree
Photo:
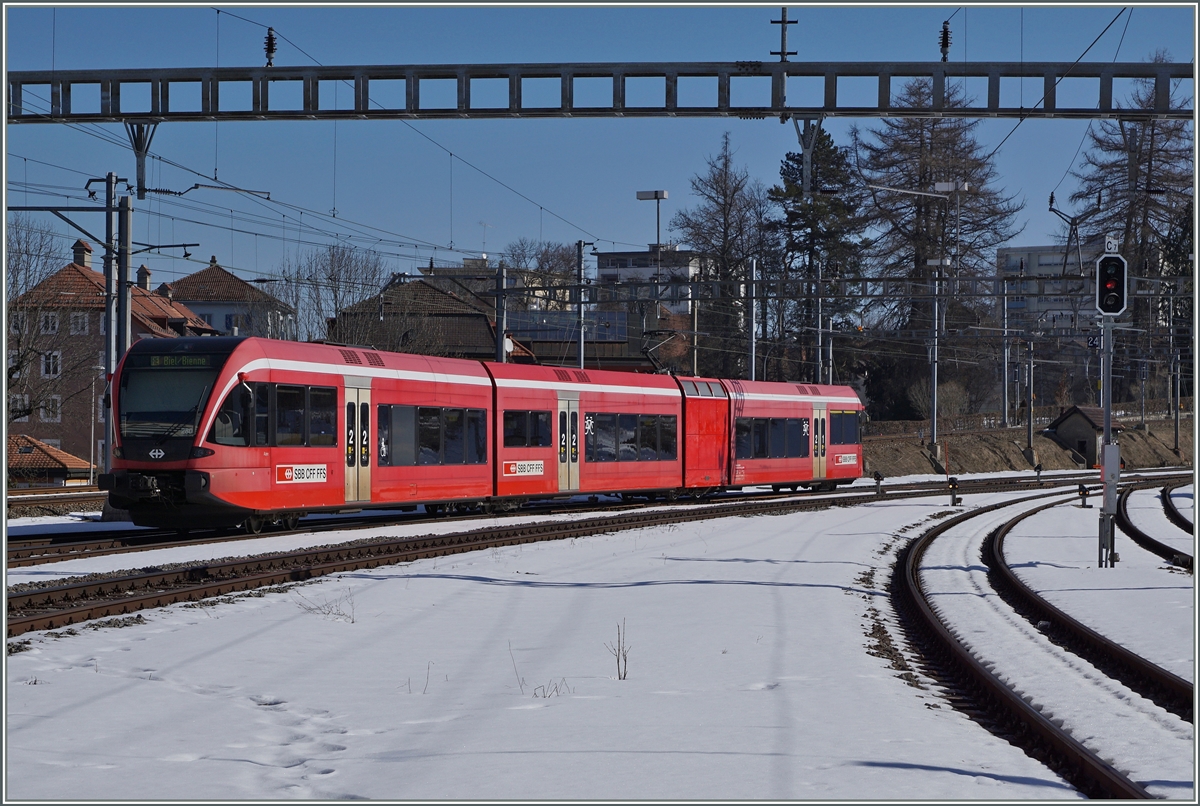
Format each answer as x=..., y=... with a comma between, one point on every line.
x=44, y=362
x=729, y=226
x=544, y=264
x=319, y=284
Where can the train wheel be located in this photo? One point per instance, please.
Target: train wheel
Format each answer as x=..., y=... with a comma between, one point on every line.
x=291, y=521
x=671, y=495
x=253, y=525
x=436, y=510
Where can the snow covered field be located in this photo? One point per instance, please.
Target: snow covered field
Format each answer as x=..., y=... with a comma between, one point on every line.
x=489, y=676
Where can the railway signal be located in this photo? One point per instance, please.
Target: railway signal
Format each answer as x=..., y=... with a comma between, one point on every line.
x=1111, y=285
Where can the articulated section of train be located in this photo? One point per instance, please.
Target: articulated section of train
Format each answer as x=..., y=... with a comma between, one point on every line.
x=214, y=432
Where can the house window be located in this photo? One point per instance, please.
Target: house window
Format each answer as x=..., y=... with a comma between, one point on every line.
x=79, y=323
x=100, y=409
x=18, y=403
x=233, y=320
x=53, y=443
x=103, y=324
x=52, y=409
x=50, y=322
x=12, y=362
x=207, y=317
x=16, y=323
x=52, y=364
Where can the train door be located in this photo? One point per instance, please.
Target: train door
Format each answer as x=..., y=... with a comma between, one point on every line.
x=569, y=425
x=358, y=443
x=819, y=440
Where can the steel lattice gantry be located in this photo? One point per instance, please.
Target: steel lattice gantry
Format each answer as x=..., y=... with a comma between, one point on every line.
x=46, y=96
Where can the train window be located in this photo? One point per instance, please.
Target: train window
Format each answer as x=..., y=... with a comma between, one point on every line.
x=262, y=414
x=647, y=438
x=742, y=436
x=541, y=435
x=843, y=428
x=404, y=435
x=627, y=428
x=322, y=416
x=705, y=391
x=528, y=429
x=600, y=431
x=289, y=415
x=477, y=442
x=429, y=436
x=797, y=443
x=516, y=429
x=232, y=425
x=689, y=388
x=760, y=439
x=778, y=445
x=453, y=437
x=717, y=389
x=383, y=428
x=667, y=430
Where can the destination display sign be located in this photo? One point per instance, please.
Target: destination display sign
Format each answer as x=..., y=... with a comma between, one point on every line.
x=179, y=361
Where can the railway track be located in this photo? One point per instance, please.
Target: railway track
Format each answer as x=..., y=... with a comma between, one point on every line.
x=55, y=546
x=1170, y=554
x=1173, y=514
x=65, y=604
x=976, y=685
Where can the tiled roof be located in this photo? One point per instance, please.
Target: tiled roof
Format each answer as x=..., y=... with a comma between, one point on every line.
x=215, y=284
x=27, y=453
x=74, y=286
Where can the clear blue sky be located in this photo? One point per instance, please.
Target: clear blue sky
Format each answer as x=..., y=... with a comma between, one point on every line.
x=581, y=175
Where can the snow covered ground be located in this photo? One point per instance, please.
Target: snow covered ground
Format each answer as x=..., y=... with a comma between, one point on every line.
x=1146, y=743
x=490, y=676
x=1145, y=510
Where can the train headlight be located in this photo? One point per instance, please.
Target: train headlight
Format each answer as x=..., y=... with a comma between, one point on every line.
x=200, y=453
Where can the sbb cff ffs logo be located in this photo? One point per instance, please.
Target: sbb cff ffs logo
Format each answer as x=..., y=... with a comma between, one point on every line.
x=1111, y=284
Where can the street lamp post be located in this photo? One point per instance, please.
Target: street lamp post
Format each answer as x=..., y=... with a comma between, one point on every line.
x=657, y=196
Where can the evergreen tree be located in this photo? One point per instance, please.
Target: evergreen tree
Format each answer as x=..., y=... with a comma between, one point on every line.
x=1139, y=172
x=730, y=226
x=909, y=230
x=822, y=239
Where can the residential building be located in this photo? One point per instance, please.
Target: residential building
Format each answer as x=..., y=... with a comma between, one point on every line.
x=663, y=262
x=230, y=304
x=32, y=463
x=56, y=353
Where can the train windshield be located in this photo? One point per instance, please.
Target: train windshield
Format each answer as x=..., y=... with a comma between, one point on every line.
x=163, y=396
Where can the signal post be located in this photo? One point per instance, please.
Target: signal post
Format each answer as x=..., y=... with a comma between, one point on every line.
x=1111, y=302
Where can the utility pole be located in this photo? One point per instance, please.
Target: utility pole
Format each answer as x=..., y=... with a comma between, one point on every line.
x=579, y=277
x=753, y=306
x=1004, y=346
x=501, y=314
x=124, y=251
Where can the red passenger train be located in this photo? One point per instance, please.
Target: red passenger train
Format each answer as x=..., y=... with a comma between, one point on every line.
x=214, y=432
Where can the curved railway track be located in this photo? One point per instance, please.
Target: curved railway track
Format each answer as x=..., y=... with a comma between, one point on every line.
x=1173, y=514
x=975, y=689
x=1171, y=555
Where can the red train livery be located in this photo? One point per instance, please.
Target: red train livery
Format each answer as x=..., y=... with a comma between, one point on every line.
x=223, y=431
